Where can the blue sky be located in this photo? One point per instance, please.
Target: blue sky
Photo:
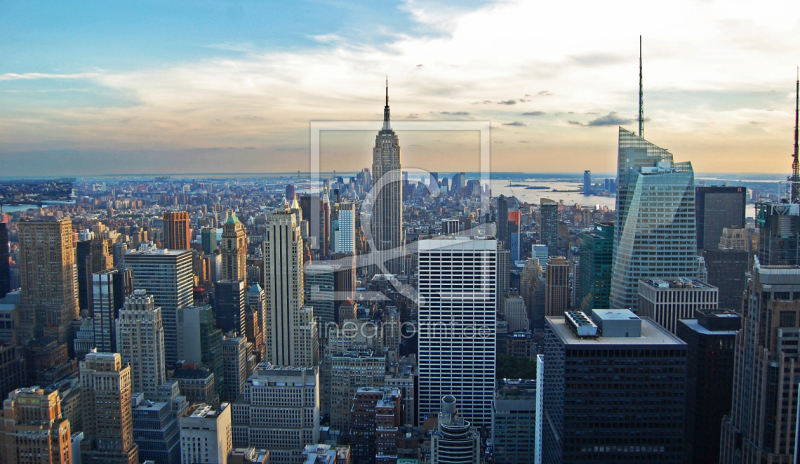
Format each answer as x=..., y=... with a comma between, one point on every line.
x=122, y=86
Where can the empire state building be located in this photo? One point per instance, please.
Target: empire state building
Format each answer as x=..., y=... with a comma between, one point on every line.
x=387, y=196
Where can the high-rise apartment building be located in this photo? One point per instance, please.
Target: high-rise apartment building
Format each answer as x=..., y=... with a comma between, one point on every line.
x=140, y=341
x=177, y=230
x=234, y=249
x=5, y=270
x=711, y=338
x=654, y=232
x=668, y=300
x=346, y=237
x=514, y=422
x=48, y=300
x=167, y=276
x=457, y=318
x=230, y=302
x=107, y=417
x=385, y=225
x=594, y=273
x=454, y=441
x=762, y=423
x=110, y=288
x=590, y=378
x=291, y=333
x=33, y=430
x=556, y=287
x=717, y=208
x=376, y=418
x=279, y=412
x=548, y=225
x=206, y=434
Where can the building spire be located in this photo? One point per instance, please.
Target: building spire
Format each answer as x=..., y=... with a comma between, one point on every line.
x=641, y=93
x=795, y=179
x=386, y=125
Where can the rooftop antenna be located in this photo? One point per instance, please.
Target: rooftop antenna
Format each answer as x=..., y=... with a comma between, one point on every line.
x=641, y=94
x=795, y=179
x=386, y=108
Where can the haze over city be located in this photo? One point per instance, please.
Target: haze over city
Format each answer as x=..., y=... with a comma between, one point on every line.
x=190, y=87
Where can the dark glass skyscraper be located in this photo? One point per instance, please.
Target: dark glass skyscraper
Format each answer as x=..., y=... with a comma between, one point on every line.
x=717, y=208
x=5, y=272
x=779, y=234
x=594, y=272
x=548, y=233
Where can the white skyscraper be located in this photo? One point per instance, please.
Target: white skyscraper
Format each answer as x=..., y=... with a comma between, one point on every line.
x=291, y=333
x=346, y=236
x=457, y=318
x=140, y=341
x=655, y=233
x=167, y=276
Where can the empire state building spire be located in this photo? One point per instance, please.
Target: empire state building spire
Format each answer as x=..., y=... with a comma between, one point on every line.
x=386, y=125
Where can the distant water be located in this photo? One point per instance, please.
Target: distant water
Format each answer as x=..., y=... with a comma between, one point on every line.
x=569, y=192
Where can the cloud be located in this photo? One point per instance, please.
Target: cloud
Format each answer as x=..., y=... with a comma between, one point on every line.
x=611, y=119
x=575, y=123
x=456, y=113
x=545, y=93
x=534, y=113
x=243, y=47
x=412, y=116
x=31, y=76
x=523, y=141
x=419, y=65
x=507, y=102
x=515, y=123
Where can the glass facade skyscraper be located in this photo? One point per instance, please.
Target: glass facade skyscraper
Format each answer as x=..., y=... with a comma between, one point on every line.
x=594, y=272
x=655, y=232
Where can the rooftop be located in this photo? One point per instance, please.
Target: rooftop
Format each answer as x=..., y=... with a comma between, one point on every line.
x=678, y=282
x=652, y=334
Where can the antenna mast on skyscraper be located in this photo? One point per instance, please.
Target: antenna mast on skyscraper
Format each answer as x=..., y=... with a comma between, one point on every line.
x=641, y=94
x=795, y=179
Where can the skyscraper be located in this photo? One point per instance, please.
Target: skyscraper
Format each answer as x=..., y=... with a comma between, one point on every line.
x=107, y=416
x=548, y=225
x=668, y=300
x=457, y=315
x=587, y=182
x=717, y=208
x=229, y=301
x=779, y=234
x=556, y=287
x=177, y=230
x=594, y=273
x=502, y=220
x=387, y=196
x=513, y=421
x=346, y=237
x=727, y=269
x=5, y=271
x=454, y=441
x=655, y=233
x=109, y=290
x=234, y=249
x=208, y=240
x=48, y=300
x=167, y=276
x=589, y=379
x=235, y=351
x=33, y=429
x=763, y=417
x=206, y=434
x=291, y=334
x=140, y=341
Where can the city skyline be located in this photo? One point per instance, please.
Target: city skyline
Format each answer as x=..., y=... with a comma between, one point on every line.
x=176, y=89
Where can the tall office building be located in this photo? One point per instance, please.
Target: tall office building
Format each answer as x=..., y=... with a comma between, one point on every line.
x=589, y=379
x=234, y=249
x=208, y=240
x=346, y=238
x=711, y=338
x=279, y=412
x=205, y=349
x=717, y=208
x=503, y=276
x=587, y=182
x=386, y=222
x=5, y=269
x=376, y=418
x=177, y=230
x=91, y=255
x=502, y=220
x=778, y=234
x=348, y=372
x=594, y=273
x=668, y=300
x=235, y=354
x=156, y=431
x=727, y=269
x=319, y=284
x=206, y=434
x=109, y=290
x=763, y=418
x=291, y=333
x=514, y=422
x=654, y=232
x=167, y=276
x=256, y=300
x=107, y=417
x=548, y=225
x=230, y=302
x=140, y=341
x=454, y=441
x=48, y=300
x=33, y=429
x=457, y=318
x=556, y=287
